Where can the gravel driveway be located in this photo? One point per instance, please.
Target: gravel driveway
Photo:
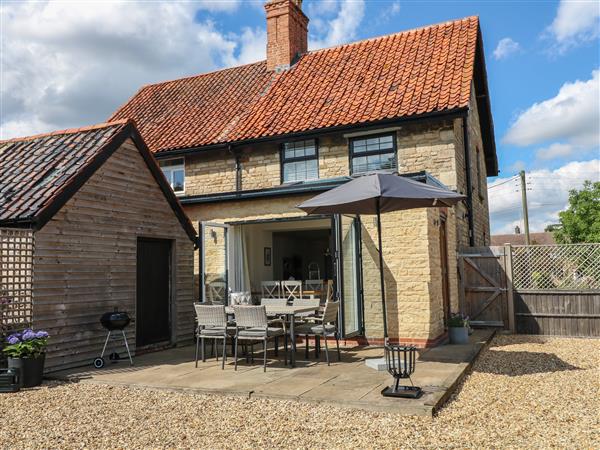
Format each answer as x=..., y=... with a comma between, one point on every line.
x=524, y=391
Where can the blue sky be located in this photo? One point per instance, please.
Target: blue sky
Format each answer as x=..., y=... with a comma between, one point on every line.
x=66, y=64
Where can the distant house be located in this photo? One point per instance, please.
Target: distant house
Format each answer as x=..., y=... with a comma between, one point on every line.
x=243, y=146
x=88, y=224
x=545, y=238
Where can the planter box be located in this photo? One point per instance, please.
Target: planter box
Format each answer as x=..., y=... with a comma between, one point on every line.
x=31, y=370
x=459, y=335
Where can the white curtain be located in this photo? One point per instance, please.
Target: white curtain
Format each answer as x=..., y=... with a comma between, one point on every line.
x=239, y=257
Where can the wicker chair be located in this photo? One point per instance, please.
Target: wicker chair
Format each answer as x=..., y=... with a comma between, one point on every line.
x=212, y=324
x=323, y=327
x=273, y=301
x=252, y=324
x=308, y=302
x=270, y=289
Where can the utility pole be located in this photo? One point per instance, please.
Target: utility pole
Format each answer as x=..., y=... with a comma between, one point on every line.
x=524, y=202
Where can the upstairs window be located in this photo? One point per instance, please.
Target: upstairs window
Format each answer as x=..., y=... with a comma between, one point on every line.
x=299, y=161
x=373, y=153
x=174, y=170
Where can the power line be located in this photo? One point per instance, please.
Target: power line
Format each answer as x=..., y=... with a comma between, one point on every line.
x=503, y=182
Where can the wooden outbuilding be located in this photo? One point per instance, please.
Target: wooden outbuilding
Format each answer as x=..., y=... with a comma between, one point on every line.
x=89, y=224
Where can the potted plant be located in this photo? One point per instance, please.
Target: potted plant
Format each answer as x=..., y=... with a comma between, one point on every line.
x=458, y=326
x=26, y=351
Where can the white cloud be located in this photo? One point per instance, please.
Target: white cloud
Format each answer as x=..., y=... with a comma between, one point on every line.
x=506, y=47
x=555, y=150
x=340, y=29
x=252, y=45
x=575, y=22
x=218, y=5
x=66, y=64
x=517, y=166
x=547, y=195
x=572, y=116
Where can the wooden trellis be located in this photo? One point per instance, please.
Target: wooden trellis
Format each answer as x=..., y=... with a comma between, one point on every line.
x=16, y=279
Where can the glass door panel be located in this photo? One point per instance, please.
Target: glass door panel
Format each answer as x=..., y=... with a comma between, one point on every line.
x=349, y=274
x=215, y=273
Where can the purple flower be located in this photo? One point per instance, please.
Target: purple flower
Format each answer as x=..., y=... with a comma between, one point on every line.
x=28, y=335
x=13, y=340
x=41, y=335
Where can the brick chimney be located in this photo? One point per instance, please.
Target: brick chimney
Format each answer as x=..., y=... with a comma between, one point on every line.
x=287, y=32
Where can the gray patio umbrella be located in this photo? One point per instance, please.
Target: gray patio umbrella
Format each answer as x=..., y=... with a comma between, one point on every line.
x=376, y=193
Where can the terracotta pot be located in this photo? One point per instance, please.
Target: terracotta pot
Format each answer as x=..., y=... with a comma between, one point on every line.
x=31, y=369
x=459, y=335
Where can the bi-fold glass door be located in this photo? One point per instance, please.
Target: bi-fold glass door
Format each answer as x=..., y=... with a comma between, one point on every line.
x=214, y=272
x=348, y=266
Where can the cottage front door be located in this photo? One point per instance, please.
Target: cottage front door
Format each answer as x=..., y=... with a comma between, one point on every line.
x=348, y=267
x=214, y=262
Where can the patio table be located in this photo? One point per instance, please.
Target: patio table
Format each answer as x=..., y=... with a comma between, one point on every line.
x=289, y=312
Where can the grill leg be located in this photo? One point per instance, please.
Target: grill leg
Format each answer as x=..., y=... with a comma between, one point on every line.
x=127, y=347
x=105, y=344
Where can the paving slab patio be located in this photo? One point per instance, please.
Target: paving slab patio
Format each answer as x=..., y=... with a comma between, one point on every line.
x=348, y=382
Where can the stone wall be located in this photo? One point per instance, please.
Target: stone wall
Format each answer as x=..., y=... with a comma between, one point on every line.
x=478, y=175
x=209, y=172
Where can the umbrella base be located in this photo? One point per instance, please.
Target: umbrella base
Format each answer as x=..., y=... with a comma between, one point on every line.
x=402, y=392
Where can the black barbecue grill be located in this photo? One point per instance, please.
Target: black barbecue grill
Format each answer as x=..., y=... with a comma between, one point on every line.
x=114, y=322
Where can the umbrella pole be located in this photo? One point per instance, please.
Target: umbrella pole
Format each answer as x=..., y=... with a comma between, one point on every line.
x=381, y=274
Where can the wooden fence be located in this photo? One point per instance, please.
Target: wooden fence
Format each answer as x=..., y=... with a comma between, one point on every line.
x=555, y=290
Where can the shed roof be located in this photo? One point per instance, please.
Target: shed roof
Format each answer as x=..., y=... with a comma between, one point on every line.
x=543, y=238
x=39, y=174
x=408, y=74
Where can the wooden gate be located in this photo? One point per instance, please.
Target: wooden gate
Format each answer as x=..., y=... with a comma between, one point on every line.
x=484, y=281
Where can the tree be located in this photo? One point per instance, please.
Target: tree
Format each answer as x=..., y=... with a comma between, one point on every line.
x=580, y=222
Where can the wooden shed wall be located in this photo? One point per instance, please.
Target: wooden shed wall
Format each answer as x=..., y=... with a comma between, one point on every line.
x=85, y=259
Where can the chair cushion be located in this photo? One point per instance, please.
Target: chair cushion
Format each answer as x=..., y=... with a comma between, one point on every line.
x=314, y=329
x=216, y=331
x=260, y=332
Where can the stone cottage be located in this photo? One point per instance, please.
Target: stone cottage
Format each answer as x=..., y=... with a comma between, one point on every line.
x=243, y=146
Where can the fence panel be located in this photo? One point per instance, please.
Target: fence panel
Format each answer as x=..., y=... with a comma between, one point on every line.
x=557, y=289
x=556, y=267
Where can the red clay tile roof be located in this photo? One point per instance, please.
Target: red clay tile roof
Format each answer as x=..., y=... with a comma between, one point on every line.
x=410, y=73
x=38, y=174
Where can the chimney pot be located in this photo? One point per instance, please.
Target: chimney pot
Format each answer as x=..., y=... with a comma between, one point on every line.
x=287, y=33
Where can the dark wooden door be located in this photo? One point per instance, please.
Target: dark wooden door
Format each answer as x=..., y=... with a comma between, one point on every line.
x=153, y=291
x=444, y=263
x=484, y=285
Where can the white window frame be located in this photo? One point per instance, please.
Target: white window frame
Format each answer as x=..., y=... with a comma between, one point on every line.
x=168, y=172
